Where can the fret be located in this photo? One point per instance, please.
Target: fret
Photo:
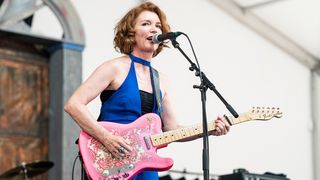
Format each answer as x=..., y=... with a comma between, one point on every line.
x=165, y=138
x=169, y=138
x=183, y=133
x=187, y=132
x=154, y=140
x=258, y=113
x=173, y=138
x=179, y=134
x=211, y=126
x=189, y=129
x=175, y=135
x=197, y=129
x=160, y=140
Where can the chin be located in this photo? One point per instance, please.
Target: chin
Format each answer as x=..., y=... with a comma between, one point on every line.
x=151, y=50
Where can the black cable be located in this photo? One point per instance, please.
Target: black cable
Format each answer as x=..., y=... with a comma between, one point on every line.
x=203, y=77
x=74, y=163
x=194, y=54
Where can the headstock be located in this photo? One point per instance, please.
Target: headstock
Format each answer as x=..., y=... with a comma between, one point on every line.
x=264, y=113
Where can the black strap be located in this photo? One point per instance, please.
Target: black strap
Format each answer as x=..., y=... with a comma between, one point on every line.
x=155, y=79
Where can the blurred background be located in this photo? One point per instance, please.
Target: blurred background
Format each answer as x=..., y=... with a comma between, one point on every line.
x=256, y=52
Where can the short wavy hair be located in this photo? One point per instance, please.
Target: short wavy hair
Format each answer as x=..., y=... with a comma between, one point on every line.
x=124, y=39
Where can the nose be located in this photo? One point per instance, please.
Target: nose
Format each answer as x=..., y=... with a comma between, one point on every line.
x=155, y=30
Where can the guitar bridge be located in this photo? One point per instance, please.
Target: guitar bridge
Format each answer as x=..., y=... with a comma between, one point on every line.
x=118, y=170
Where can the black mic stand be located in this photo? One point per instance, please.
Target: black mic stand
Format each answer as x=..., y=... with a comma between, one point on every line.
x=203, y=87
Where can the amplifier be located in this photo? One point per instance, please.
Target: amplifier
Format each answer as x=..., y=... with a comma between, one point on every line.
x=242, y=174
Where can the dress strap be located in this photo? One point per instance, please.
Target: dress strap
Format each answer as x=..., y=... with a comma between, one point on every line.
x=154, y=81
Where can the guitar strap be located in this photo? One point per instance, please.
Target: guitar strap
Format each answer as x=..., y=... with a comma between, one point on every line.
x=156, y=88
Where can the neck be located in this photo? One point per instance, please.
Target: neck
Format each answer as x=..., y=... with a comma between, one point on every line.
x=143, y=55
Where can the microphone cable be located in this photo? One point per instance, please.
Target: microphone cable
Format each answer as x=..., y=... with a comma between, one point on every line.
x=194, y=54
x=73, y=166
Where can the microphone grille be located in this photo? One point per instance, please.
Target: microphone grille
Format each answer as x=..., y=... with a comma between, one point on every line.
x=155, y=39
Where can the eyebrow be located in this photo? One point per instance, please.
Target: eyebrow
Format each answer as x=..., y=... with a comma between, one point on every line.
x=147, y=20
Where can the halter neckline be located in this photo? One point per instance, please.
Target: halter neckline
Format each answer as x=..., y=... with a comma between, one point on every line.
x=140, y=61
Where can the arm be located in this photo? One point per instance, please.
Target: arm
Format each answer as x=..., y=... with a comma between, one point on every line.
x=100, y=79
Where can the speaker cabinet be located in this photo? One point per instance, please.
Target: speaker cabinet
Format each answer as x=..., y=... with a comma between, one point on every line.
x=242, y=174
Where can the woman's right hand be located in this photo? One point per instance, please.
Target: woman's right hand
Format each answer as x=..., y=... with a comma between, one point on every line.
x=116, y=145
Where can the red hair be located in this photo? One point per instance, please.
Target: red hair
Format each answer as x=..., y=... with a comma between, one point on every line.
x=124, y=40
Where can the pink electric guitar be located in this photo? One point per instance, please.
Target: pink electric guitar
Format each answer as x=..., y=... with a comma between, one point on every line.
x=145, y=138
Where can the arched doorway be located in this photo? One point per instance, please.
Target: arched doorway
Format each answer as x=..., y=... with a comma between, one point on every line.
x=38, y=74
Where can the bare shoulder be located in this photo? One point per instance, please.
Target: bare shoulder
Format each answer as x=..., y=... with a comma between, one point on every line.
x=109, y=71
x=116, y=64
x=112, y=72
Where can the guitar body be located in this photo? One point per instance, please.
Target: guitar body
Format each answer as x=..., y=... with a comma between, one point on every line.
x=99, y=163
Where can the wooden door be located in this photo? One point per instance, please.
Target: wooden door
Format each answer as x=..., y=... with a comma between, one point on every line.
x=24, y=95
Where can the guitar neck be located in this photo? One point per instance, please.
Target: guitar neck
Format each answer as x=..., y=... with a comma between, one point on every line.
x=178, y=134
x=186, y=132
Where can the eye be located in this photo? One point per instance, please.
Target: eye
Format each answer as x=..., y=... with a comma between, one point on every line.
x=159, y=26
x=145, y=23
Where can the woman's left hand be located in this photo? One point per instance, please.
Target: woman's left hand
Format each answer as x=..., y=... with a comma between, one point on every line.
x=222, y=127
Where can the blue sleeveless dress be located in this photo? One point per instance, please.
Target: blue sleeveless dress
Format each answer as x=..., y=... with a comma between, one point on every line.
x=124, y=106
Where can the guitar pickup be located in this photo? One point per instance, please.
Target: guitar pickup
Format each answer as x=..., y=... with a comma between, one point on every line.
x=147, y=142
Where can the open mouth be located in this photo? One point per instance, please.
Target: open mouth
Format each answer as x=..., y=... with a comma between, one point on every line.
x=149, y=38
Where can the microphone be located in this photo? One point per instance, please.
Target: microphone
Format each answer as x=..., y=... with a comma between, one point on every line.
x=158, y=38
